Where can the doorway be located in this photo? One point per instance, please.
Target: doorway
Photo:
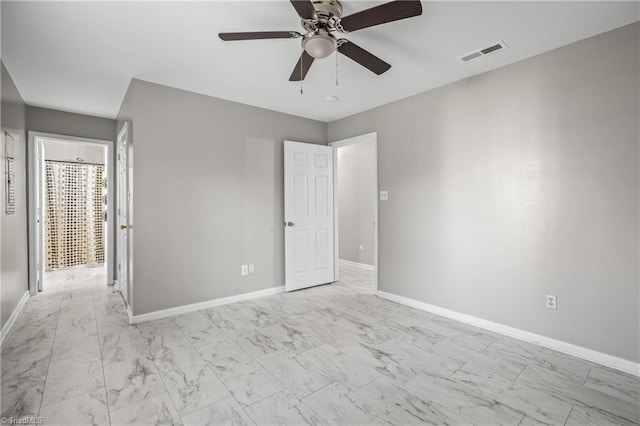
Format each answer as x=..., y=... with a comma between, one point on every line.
x=356, y=212
x=70, y=211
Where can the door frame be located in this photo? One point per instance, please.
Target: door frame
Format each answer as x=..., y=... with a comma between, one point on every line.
x=368, y=137
x=35, y=191
x=122, y=143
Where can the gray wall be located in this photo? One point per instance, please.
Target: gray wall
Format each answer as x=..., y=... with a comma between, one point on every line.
x=70, y=124
x=518, y=183
x=208, y=183
x=356, y=188
x=13, y=228
x=65, y=151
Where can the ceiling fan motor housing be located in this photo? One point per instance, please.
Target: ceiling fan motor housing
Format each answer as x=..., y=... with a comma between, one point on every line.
x=328, y=9
x=318, y=41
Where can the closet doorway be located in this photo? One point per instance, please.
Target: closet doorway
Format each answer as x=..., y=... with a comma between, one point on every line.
x=70, y=211
x=356, y=212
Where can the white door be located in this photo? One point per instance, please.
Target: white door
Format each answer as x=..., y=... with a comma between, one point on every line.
x=308, y=215
x=123, y=224
x=40, y=213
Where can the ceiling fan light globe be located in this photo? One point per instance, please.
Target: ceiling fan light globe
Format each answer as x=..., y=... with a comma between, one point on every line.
x=319, y=45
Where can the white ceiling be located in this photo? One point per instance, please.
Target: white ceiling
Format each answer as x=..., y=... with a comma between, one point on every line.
x=80, y=56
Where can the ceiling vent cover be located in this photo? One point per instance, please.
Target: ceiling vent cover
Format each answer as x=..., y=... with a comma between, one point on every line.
x=499, y=45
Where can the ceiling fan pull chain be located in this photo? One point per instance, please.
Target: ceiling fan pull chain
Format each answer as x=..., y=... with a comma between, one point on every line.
x=337, y=68
x=301, y=75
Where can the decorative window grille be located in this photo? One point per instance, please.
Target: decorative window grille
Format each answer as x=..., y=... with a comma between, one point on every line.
x=10, y=172
x=74, y=222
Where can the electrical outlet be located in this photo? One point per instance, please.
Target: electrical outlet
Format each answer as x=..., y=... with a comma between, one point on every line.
x=384, y=195
x=361, y=247
x=244, y=270
x=252, y=268
x=552, y=303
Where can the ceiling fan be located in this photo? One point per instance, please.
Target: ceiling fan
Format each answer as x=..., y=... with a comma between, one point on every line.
x=322, y=19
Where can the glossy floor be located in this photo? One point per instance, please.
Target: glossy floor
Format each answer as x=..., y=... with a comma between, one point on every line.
x=333, y=354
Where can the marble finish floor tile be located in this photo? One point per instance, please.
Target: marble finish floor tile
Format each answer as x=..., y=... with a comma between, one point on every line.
x=131, y=380
x=581, y=416
x=75, y=341
x=250, y=388
x=505, y=367
x=195, y=322
x=405, y=407
x=353, y=369
x=73, y=377
x=192, y=388
x=340, y=407
x=556, y=385
x=87, y=409
x=158, y=410
x=24, y=371
x=29, y=338
x=614, y=383
x=333, y=354
x=283, y=408
x=225, y=412
x=130, y=373
x=225, y=357
x=296, y=373
x=294, y=337
x=22, y=402
x=460, y=398
x=572, y=368
x=258, y=344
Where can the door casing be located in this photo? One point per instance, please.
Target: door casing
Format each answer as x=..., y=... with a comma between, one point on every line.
x=122, y=216
x=373, y=137
x=35, y=213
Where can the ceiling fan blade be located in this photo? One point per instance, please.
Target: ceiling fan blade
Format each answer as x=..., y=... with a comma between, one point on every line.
x=305, y=9
x=302, y=67
x=258, y=35
x=364, y=58
x=388, y=12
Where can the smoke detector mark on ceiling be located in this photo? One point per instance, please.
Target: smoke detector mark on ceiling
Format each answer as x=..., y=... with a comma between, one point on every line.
x=494, y=47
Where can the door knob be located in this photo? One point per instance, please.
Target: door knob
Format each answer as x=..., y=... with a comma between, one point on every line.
x=123, y=226
x=289, y=223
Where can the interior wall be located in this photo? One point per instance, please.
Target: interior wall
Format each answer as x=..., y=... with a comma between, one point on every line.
x=356, y=186
x=13, y=228
x=47, y=120
x=208, y=195
x=70, y=124
x=518, y=183
x=70, y=151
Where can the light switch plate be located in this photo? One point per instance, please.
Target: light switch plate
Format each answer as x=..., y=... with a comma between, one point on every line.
x=384, y=195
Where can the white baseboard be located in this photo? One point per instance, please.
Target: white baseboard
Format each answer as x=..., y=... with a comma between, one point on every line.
x=557, y=345
x=357, y=265
x=8, y=326
x=137, y=319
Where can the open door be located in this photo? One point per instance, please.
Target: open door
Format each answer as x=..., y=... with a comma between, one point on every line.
x=40, y=213
x=308, y=214
x=122, y=220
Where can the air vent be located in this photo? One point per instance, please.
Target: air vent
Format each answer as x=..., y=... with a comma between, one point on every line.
x=484, y=51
